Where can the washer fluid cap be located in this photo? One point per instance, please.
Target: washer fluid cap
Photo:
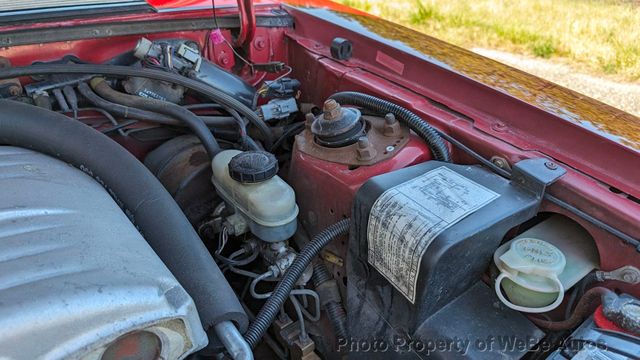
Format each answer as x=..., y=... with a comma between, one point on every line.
x=534, y=257
x=252, y=167
x=529, y=273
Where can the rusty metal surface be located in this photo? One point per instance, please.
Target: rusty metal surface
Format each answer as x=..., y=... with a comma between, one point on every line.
x=380, y=145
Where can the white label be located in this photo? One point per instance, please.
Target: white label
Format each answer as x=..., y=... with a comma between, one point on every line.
x=405, y=219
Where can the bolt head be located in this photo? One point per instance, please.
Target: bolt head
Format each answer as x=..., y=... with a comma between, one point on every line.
x=363, y=142
x=259, y=43
x=499, y=126
x=390, y=119
x=390, y=148
x=332, y=110
x=551, y=165
x=14, y=91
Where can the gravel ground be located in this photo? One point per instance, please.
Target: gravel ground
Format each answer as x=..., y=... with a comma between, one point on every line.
x=624, y=96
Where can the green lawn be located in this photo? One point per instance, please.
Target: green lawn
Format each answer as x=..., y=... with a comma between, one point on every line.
x=600, y=37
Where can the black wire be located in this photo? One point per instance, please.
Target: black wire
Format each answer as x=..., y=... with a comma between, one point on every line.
x=215, y=18
x=119, y=126
x=96, y=109
x=116, y=126
x=211, y=92
x=628, y=239
x=294, y=129
x=203, y=106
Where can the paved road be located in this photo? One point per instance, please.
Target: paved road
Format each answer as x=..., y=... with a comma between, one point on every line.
x=625, y=96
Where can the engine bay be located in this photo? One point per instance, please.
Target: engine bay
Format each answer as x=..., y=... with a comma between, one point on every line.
x=320, y=213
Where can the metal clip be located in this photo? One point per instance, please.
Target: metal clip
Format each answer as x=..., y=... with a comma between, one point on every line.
x=627, y=274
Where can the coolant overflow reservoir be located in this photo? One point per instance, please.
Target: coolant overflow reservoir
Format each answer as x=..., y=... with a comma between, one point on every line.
x=247, y=182
x=540, y=264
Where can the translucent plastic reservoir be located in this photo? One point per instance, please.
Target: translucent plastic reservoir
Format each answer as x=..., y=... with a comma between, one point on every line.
x=269, y=206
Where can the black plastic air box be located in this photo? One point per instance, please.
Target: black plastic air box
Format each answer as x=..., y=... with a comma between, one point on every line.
x=423, y=235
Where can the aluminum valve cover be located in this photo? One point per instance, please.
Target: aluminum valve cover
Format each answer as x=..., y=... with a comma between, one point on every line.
x=75, y=274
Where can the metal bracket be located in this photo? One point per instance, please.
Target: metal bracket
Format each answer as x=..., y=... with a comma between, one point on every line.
x=534, y=175
x=628, y=274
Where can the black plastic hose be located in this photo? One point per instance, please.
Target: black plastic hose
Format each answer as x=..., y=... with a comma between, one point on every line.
x=415, y=123
x=142, y=197
x=144, y=115
x=333, y=306
x=196, y=124
x=280, y=294
x=217, y=95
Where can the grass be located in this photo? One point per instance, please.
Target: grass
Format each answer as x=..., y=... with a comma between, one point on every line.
x=597, y=36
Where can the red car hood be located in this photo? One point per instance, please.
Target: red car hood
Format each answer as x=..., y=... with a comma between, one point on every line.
x=515, y=107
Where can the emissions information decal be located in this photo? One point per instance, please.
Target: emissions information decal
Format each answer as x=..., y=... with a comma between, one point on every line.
x=406, y=218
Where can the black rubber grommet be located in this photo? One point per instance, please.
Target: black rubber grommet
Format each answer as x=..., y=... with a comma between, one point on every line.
x=341, y=49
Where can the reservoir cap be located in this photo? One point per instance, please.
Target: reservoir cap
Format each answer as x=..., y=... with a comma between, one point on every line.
x=252, y=167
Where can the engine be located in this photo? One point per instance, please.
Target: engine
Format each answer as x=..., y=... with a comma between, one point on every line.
x=209, y=212
x=77, y=277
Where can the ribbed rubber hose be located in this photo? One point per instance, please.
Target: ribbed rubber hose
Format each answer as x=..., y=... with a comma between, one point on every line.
x=128, y=112
x=217, y=95
x=278, y=297
x=196, y=124
x=335, y=310
x=421, y=127
x=141, y=196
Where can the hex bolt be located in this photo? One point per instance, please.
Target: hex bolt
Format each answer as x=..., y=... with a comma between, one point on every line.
x=390, y=119
x=332, y=110
x=15, y=90
x=364, y=150
x=363, y=142
x=551, y=165
x=391, y=125
x=309, y=120
x=390, y=148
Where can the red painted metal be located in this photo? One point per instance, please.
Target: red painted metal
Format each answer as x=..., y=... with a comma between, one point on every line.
x=247, y=23
x=514, y=107
x=494, y=109
x=247, y=15
x=592, y=196
x=327, y=189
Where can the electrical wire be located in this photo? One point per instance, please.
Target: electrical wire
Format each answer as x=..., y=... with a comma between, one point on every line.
x=217, y=95
x=203, y=106
x=552, y=199
x=293, y=129
x=263, y=89
x=119, y=127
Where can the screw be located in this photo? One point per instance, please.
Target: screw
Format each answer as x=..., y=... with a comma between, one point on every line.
x=499, y=126
x=259, y=43
x=389, y=148
x=330, y=105
x=499, y=162
x=629, y=278
x=390, y=119
x=14, y=90
x=363, y=142
x=223, y=59
x=551, y=165
x=332, y=110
